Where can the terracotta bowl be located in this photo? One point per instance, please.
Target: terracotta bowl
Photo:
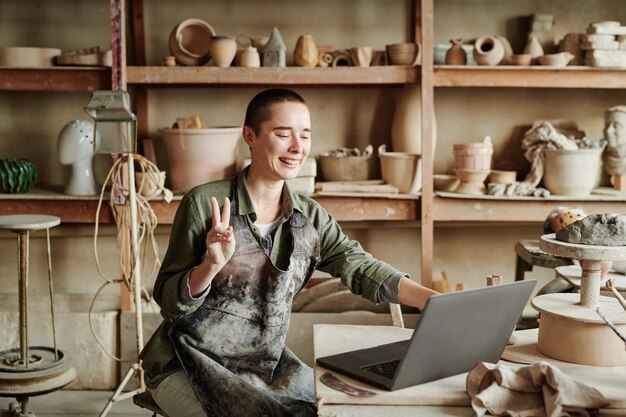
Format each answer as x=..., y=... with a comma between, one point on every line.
x=442, y=182
x=521, y=59
x=405, y=53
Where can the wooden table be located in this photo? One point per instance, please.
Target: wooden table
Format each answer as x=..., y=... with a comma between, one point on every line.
x=445, y=397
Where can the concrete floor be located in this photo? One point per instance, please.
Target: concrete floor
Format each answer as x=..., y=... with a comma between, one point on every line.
x=76, y=404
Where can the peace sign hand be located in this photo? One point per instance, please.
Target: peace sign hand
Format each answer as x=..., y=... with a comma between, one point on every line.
x=220, y=240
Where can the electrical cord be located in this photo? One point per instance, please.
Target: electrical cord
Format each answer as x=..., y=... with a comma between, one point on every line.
x=147, y=222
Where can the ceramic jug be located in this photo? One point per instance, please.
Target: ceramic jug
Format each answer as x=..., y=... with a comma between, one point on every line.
x=456, y=54
x=223, y=50
x=488, y=50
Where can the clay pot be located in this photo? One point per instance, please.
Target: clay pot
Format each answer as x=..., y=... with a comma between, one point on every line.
x=488, y=51
x=508, y=50
x=521, y=59
x=456, y=54
x=571, y=172
x=405, y=53
x=533, y=47
x=196, y=156
x=305, y=54
x=473, y=156
x=361, y=56
x=223, y=50
x=406, y=131
x=349, y=168
x=190, y=42
x=250, y=58
x=560, y=59
x=402, y=170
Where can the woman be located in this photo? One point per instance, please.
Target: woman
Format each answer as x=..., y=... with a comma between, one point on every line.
x=230, y=274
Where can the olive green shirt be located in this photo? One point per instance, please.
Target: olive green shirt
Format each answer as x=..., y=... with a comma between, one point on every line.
x=340, y=257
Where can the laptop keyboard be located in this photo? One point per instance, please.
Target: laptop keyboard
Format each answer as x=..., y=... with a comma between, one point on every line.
x=386, y=369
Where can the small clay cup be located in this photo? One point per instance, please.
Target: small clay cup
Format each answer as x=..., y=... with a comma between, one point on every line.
x=521, y=59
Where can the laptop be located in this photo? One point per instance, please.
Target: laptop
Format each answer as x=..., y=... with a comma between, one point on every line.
x=454, y=332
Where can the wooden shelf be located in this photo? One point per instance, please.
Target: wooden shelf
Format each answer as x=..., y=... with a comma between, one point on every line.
x=55, y=79
x=515, y=211
x=342, y=76
x=83, y=209
x=530, y=77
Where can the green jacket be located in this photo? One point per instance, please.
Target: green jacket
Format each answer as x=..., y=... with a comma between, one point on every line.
x=340, y=257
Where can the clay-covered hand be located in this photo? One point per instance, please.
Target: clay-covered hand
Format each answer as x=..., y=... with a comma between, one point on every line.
x=220, y=240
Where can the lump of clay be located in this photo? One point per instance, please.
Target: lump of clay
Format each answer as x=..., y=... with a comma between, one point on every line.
x=596, y=229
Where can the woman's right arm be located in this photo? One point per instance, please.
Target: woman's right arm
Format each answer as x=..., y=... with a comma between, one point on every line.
x=184, y=252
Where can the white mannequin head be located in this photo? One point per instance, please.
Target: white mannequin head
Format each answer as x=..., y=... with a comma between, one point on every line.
x=75, y=147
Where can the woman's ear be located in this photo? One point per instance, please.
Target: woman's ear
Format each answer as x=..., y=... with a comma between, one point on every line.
x=249, y=136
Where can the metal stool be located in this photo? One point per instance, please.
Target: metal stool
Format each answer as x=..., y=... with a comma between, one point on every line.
x=31, y=370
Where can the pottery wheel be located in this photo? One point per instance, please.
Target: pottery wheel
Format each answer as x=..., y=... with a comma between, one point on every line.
x=570, y=329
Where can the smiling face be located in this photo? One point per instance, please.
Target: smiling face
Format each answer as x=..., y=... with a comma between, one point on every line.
x=282, y=142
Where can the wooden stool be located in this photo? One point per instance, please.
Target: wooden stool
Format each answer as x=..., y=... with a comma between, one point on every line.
x=145, y=400
x=529, y=255
x=31, y=370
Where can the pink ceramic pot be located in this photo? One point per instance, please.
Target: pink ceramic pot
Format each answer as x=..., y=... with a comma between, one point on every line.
x=196, y=156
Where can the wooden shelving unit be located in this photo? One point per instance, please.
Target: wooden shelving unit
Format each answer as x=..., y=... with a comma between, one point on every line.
x=515, y=211
x=528, y=77
x=55, y=79
x=83, y=209
x=338, y=76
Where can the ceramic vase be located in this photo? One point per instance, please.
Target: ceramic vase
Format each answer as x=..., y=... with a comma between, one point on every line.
x=223, y=50
x=17, y=175
x=488, y=50
x=250, y=58
x=456, y=54
x=406, y=131
x=534, y=48
x=305, y=53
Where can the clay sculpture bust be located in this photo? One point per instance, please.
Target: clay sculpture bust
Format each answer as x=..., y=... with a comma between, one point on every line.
x=75, y=147
x=614, y=156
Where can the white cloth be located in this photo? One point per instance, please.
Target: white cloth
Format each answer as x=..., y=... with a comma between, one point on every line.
x=541, y=136
x=539, y=389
